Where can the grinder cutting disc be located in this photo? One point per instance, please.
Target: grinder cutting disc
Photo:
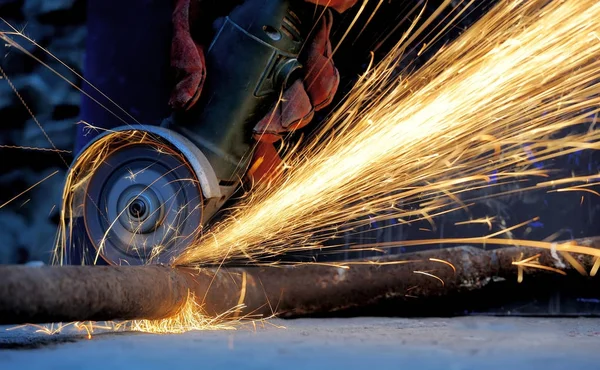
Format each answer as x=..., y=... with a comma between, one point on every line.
x=142, y=204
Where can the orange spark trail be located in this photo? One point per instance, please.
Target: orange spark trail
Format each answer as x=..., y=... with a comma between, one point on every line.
x=26, y=190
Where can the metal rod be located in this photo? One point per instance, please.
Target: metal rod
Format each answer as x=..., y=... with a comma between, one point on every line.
x=94, y=293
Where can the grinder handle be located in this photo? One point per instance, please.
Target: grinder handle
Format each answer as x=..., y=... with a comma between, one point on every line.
x=252, y=57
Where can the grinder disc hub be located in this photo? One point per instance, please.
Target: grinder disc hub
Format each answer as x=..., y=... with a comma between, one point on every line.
x=144, y=209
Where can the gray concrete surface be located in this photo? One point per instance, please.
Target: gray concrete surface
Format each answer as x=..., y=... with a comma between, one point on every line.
x=361, y=343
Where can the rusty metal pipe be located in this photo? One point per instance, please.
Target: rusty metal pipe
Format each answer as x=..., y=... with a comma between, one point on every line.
x=94, y=293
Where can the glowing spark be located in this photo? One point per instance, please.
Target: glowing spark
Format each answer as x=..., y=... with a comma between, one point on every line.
x=532, y=262
x=28, y=189
x=519, y=274
x=568, y=247
x=486, y=220
x=255, y=166
x=595, y=267
x=575, y=189
x=573, y=262
x=411, y=288
x=33, y=117
x=541, y=267
x=242, y=293
x=87, y=327
x=430, y=275
x=526, y=260
x=7, y=37
x=444, y=262
x=514, y=227
x=490, y=139
x=191, y=317
x=585, y=179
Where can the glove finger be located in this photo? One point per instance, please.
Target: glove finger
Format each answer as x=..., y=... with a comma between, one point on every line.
x=266, y=163
x=187, y=59
x=340, y=6
x=293, y=111
x=321, y=76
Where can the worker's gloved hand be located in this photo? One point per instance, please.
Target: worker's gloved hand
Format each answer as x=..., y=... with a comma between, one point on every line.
x=298, y=103
x=187, y=57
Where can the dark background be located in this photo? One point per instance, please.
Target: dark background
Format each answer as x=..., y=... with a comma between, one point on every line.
x=28, y=224
x=127, y=58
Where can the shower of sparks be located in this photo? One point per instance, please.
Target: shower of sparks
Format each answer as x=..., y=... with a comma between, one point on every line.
x=409, y=147
x=398, y=146
x=191, y=317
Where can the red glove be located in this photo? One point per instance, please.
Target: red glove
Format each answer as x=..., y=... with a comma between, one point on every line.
x=299, y=102
x=187, y=58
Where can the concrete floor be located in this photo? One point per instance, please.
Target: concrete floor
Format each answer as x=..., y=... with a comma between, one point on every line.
x=362, y=343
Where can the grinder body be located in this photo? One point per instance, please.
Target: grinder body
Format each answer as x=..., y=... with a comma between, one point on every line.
x=250, y=60
x=148, y=208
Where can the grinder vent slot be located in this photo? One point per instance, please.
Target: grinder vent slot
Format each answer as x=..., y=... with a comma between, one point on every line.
x=289, y=26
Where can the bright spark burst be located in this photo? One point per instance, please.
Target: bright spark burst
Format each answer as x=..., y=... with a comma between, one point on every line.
x=191, y=317
x=522, y=74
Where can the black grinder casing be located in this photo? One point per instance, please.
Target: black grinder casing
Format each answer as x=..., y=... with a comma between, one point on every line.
x=252, y=58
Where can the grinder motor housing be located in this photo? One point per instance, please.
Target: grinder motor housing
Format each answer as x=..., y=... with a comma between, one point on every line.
x=252, y=58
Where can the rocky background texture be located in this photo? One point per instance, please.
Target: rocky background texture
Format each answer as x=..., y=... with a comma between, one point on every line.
x=28, y=224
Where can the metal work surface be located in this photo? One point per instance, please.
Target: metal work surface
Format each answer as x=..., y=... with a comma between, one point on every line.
x=361, y=343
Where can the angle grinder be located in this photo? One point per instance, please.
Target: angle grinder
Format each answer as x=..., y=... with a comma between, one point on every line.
x=141, y=194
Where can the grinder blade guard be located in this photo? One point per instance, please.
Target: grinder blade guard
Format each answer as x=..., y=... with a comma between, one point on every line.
x=141, y=194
